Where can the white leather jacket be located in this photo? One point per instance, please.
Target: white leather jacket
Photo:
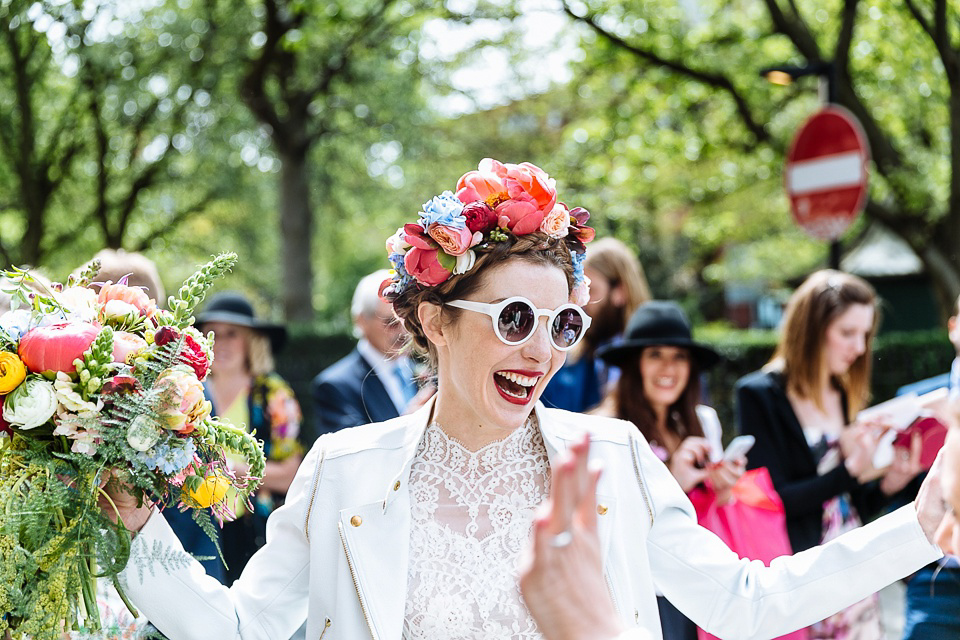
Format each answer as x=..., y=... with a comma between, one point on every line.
x=337, y=551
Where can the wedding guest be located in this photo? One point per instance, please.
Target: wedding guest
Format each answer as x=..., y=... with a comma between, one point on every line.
x=617, y=287
x=413, y=528
x=375, y=381
x=245, y=390
x=658, y=391
x=802, y=409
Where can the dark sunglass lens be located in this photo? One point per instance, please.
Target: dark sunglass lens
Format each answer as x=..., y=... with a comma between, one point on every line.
x=567, y=327
x=516, y=321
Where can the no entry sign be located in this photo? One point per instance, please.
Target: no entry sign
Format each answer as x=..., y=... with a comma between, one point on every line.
x=826, y=173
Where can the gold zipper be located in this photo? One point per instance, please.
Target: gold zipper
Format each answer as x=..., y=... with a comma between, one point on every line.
x=636, y=470
x=313, y=495
x=356, y=584
x=326, y=625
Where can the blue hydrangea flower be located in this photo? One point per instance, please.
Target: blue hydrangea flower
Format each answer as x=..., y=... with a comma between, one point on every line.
x=578, y=259
x=14, y=324
x=169, y=459
x=444, y=209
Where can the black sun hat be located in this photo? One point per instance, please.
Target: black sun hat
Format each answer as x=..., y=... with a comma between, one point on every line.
x=658, y=323
x=232, y=307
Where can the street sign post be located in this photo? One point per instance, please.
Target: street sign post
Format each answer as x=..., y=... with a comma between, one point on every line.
x=826, y=173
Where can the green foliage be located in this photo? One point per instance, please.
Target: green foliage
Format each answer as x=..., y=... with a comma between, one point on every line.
x=195, y=288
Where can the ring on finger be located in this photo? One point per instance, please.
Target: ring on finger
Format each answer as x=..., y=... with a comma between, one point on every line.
x=562, y=539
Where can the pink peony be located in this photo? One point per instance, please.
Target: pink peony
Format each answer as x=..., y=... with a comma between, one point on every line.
x=131, y=295
x=54, y=348
x=522, y=216
x=556, y=224
x=453, y=241
x=480, y=217
x=126, y=344
x=424, y=265
x=487, y=181
x=527, y=180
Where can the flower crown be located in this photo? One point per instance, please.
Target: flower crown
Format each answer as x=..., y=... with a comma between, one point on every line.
x=492, y=203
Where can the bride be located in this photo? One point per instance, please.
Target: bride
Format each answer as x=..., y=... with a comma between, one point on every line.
x=412, y=528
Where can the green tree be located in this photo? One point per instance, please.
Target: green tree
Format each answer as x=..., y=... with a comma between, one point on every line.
x=897, y=68
x=106, y=109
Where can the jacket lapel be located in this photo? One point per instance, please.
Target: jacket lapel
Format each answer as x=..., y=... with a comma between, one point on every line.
x=558, y=437
x=376, y=541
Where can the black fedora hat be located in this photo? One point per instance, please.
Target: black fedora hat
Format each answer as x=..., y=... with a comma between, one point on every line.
x=658, y=323
x=232, y=307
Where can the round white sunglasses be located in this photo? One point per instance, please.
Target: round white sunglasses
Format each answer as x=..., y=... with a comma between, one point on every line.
x=515, y=320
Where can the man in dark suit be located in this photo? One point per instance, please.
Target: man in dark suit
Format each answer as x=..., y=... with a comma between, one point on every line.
x=372, y=383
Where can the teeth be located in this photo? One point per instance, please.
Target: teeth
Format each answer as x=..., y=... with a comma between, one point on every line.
x=523, y=381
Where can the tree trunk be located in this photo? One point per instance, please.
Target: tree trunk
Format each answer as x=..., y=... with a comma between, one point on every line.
x=296, y=228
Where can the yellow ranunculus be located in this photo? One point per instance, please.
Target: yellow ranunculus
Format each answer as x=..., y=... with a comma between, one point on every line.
x=211, y=491
x=12, y=372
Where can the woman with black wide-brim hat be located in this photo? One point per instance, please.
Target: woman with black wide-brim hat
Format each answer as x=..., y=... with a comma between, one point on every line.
x=246, y=390
x=658, y=390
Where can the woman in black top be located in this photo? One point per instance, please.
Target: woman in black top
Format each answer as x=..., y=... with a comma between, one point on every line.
x=801, y=408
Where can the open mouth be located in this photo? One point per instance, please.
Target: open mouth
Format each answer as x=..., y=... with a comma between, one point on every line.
x=515, y=387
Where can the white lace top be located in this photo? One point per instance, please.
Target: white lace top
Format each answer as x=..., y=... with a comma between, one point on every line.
x=472, y=514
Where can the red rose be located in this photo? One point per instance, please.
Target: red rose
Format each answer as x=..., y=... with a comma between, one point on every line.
x=480, y=216
x=192, y=354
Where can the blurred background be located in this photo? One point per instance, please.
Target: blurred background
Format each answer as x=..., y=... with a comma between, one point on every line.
x=302, y=133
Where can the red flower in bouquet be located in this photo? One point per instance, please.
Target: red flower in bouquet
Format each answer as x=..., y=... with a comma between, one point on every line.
x=55, y=347
x=192, y=354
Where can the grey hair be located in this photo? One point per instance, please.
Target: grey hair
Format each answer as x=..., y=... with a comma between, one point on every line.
x=367, y=294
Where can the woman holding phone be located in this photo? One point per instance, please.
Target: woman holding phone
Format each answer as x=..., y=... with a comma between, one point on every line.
x=658, y=391
x=802, y=409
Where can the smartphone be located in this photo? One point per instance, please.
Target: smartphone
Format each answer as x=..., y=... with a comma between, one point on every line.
x=738, y=447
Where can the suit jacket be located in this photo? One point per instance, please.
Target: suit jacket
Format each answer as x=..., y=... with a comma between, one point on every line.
x=349, y=393
x=337, y=552
x=765, y=412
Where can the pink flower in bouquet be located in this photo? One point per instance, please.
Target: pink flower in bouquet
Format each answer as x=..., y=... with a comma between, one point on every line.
x=557, y=223
x=182, y=402
x=191, y=353
x=453, y=241
x=126, y=344
x=55, y=347
x=480, y=217
x=131, y=295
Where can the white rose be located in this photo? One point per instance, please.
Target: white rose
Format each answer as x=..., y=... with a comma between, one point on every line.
x=465, y=262
x=31, y=404
x=120, y=309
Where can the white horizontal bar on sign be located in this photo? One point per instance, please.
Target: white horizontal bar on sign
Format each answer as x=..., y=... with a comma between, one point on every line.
x=830, y=172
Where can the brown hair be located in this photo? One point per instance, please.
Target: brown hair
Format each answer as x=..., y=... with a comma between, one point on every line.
x=535, y=248
x=614, y=260
x=822, y=298
x=632, y=404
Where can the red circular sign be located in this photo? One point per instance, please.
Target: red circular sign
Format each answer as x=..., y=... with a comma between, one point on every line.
x=826, y=173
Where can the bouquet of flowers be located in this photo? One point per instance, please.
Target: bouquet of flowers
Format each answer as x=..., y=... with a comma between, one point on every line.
x=101, y=387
